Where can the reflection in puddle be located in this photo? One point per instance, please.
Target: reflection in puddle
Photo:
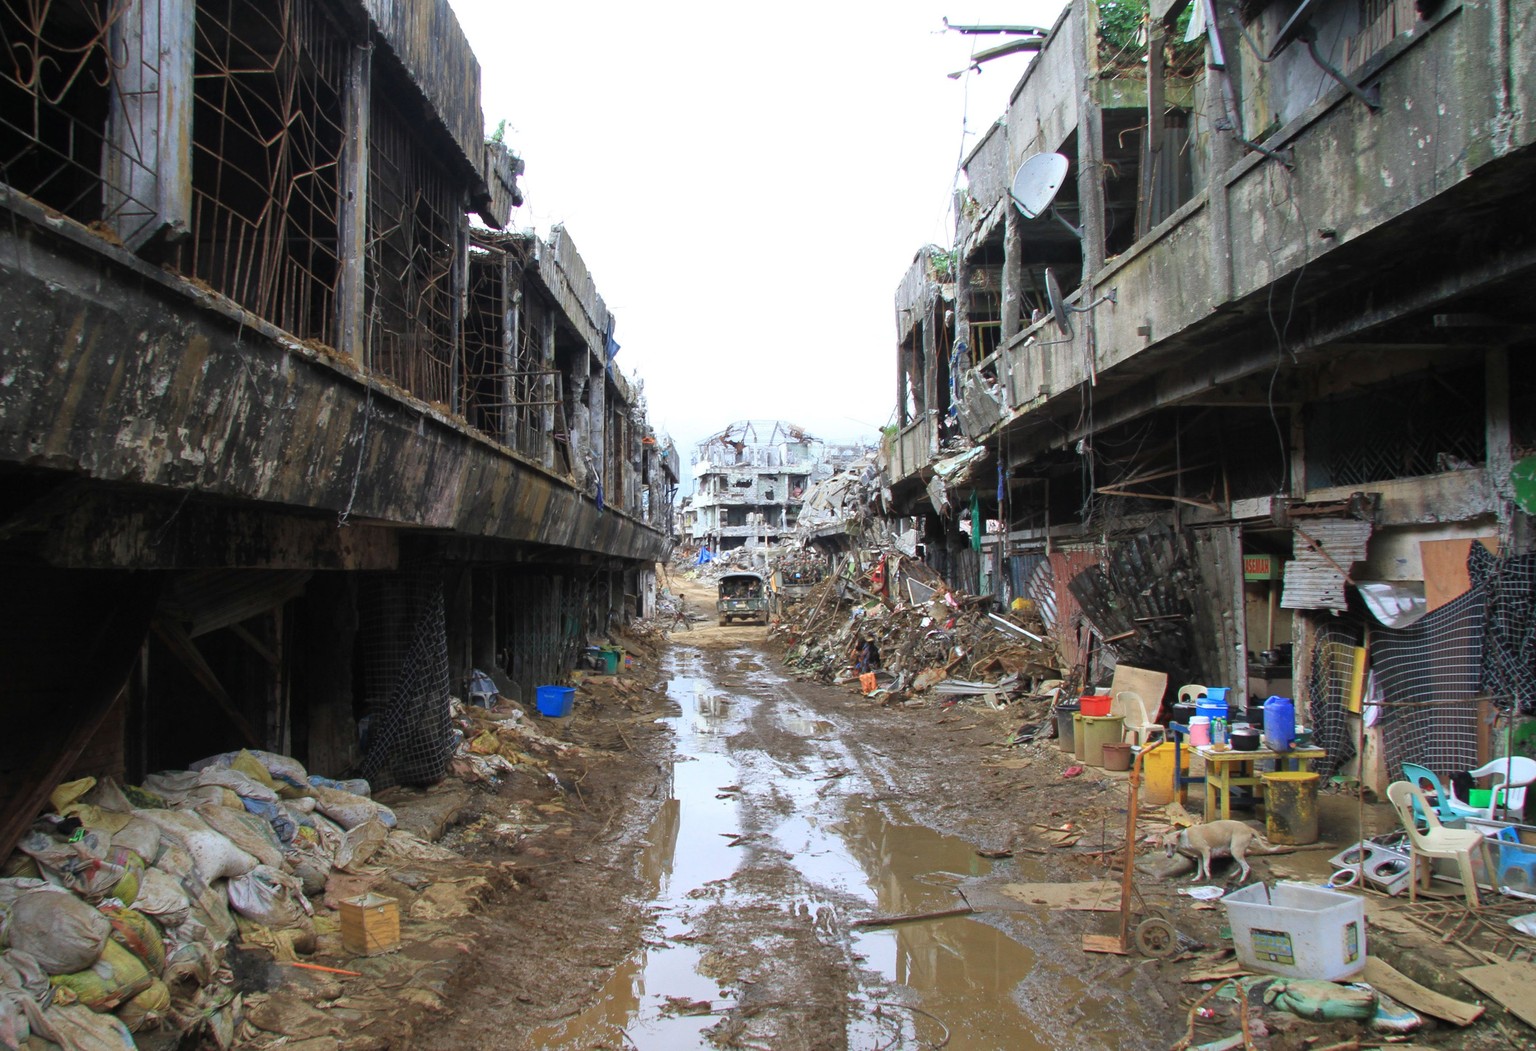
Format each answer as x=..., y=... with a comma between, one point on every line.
x=961, y=969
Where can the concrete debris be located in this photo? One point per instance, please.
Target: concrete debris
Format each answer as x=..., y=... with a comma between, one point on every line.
x=890, y=614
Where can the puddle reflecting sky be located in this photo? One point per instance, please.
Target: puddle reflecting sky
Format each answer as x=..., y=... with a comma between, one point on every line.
x=961, y=970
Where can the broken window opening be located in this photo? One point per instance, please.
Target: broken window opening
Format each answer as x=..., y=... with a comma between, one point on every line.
x=63, y=140
x=267, y=132
x=1422, y=425
x=413, y=222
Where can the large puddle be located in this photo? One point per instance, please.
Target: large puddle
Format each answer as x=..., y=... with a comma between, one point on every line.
x=963, y=974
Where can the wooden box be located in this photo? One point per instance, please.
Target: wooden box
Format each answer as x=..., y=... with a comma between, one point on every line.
x=370, y=924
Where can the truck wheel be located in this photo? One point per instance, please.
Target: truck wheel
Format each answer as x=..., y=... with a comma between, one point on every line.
x=724, y=620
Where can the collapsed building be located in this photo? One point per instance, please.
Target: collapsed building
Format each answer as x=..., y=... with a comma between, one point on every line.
x=1228, y=367
x=286, y=445
x=750, y=481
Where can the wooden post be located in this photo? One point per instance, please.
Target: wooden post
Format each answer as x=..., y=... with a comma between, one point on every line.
x=511, y=335
x=352, y=209
x=546, y=391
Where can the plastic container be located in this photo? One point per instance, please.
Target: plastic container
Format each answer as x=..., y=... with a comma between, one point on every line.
x=1200, y=730
x=1079, y=737
x=1298, y=930
x=1094, y=704
x=1212, y=710
x=1279, y=724
x=1157, y=784
x=1098, y=731
x=1290, y=807
x=1117, y=756
x=1064, y=727
x=555, y=701
x=609, y=660
x=1218, y=694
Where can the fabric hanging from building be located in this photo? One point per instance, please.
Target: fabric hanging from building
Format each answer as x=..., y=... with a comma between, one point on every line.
x=1509, y=643
x=1328, y=689
x=1428, y=675
x=978, y=525
x=404, y=634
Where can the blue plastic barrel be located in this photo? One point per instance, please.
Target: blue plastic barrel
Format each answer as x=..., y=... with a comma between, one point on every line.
x=1279, y=724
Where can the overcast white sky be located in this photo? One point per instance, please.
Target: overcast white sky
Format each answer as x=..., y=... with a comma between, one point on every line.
x=746, y=182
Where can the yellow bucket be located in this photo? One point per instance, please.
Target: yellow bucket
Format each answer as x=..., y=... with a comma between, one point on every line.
x=1290, y=807
x=1157, y=785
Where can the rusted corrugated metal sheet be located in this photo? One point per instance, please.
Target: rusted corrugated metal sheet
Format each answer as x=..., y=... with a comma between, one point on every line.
x=1315, y=577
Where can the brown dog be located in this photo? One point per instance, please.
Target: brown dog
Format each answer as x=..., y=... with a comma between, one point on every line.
x=1214, y=839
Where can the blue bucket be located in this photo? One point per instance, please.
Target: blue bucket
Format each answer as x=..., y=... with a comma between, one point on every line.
x=555, y=701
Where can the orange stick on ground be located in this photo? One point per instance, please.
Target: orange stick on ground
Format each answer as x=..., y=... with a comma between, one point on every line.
x=327, y=970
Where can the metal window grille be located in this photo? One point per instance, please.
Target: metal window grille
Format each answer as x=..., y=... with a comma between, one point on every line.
x=413, y=221
x=267, y=138
x=1421, y=426
x=73, y=83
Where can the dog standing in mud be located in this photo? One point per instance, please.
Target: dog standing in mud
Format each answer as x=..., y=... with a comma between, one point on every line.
x=1214, y=839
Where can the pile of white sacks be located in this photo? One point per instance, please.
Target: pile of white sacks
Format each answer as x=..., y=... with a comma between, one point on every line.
x=116, y=906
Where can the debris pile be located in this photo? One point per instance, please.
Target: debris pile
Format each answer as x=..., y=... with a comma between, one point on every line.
x=893, y=620
x=119, y=903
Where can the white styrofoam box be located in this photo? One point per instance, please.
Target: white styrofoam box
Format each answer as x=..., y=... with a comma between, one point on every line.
x=1298, y=930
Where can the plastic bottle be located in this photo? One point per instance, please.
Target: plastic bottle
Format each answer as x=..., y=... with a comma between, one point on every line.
x=1219, y=732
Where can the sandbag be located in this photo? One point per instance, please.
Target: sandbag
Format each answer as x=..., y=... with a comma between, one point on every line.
x=23, y=967
x=357, y=785
x=286, y=773
x=138, y=934
x=246, y=831
x=191, y=959
x=147, y=1009
x=238, y=782
x=109, y=795
x=270, y=897
x=20, y=1001
x=213, y=854
x=70, y=791
x=62, y=932
x=83, y=861
x=161, y=896
x=208, y=902
x=116, y=977
x=349, y=810
x=360, y=844
x=79, y=1028
x=140, y=836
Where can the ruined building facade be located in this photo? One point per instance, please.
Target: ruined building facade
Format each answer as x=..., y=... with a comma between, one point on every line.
x=286, y=445
x=1264, y=437
x=750, y=481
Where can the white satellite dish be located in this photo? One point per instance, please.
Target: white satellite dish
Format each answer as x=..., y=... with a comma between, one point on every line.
x=1038, y=179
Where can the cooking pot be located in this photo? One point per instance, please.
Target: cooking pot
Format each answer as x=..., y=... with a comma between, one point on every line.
x=1244, y=740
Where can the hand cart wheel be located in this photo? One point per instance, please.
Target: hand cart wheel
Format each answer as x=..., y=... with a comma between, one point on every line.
x=1157, y=938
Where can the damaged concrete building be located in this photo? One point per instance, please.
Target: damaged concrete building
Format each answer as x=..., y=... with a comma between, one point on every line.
x=286, y=445
x=1242, y=402
x=750, y=481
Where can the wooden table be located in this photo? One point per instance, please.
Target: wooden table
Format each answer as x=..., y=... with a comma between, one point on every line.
x=1228, y=767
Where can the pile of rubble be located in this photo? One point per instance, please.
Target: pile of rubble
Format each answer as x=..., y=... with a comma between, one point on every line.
x=890, y=616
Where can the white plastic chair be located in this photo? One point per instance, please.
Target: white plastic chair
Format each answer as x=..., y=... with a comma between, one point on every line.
x=1511, y=775
x=1138, y=726
x=1190, y=694
x=1436, y=842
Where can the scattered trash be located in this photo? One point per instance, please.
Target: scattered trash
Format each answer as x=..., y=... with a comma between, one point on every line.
x=1072, y=771
x=1203, y=893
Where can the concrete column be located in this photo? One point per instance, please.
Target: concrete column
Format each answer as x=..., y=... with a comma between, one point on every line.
x=352, y=209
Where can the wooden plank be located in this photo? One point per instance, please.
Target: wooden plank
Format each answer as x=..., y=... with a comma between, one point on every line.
x=352, y=221
x=1445, y=568
x=181, y=644
x=1405, y=990
x=1511, y=983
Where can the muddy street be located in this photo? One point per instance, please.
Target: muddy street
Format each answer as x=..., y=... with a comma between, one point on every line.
x=788, y=820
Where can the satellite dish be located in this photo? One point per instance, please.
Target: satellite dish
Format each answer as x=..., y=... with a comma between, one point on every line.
x=1058, y=303
x=1038, y=179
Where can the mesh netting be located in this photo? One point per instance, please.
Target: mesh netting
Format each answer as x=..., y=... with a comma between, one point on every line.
x=1427, y=673
x=404, y=638
x=1329, y=676
x=1509, y=642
